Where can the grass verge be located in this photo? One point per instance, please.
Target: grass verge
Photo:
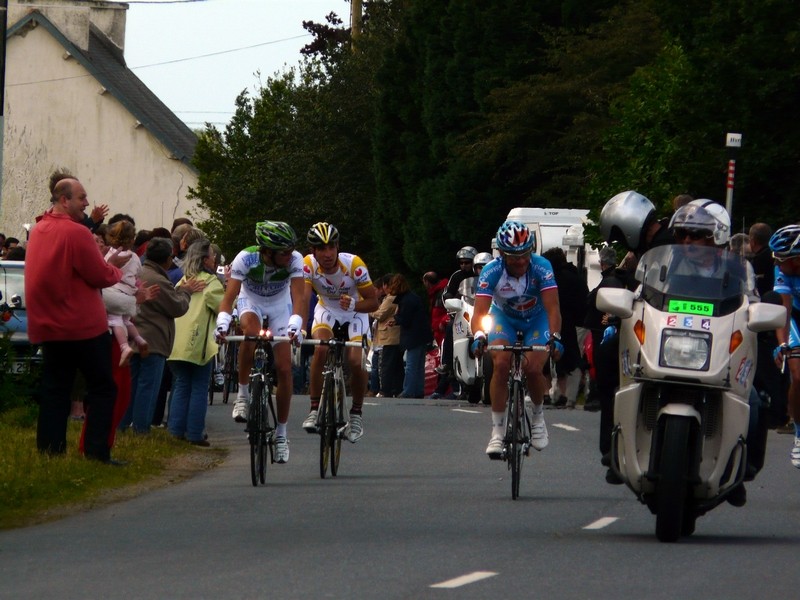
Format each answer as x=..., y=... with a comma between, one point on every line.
x=35, y=488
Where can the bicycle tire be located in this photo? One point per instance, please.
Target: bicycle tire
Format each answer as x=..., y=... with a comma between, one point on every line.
x=230, y=376
x=327, y=424
x=516, y=444
x=339, y=422
x=271, y=423
x=253, y=434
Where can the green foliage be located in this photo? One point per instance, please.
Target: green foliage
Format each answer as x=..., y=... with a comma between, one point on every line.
x=421, y=136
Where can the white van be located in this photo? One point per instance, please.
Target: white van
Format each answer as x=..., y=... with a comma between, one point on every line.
x=561, y=227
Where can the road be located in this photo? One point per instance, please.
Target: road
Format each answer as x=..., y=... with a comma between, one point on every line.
x=417, y=505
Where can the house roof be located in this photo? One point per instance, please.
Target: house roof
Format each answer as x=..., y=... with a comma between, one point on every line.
x=106, y=63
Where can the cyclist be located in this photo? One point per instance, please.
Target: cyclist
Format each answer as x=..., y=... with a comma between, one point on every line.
x=267, y=278
x=518, y=289
x=785, y=246
x=345, y=297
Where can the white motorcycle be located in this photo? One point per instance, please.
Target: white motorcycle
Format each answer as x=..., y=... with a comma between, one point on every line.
x=473, y=374
x=687, y=361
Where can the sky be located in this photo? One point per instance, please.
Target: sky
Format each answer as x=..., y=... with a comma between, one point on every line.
x=198, y=55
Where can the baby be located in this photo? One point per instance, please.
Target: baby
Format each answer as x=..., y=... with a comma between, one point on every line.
x=120, y=299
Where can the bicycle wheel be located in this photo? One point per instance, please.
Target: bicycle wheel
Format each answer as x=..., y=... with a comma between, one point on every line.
x=339, y=420
x=271, y=424
x=230, y=376
x=327, y=424
x=253, y=418
x=516, y=444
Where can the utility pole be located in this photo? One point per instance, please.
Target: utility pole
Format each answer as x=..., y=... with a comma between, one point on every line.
x=734, y=142
x=355, y=22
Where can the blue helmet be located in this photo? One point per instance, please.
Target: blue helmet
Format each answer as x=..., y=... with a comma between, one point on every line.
x=515, y=237
x=785, y=243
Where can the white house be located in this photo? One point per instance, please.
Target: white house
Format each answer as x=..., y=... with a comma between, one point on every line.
x=71, y=102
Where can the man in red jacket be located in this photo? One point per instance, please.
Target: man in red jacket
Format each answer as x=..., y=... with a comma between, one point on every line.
x=64, y=273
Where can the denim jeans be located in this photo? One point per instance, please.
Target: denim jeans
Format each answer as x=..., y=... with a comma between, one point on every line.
x=414, y=380
x=146, y=375
x=189, y=401
x=374, y=374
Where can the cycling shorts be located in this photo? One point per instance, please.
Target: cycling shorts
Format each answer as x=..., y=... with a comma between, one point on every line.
x=326, y=317
x=536, y=329
x=277, y=312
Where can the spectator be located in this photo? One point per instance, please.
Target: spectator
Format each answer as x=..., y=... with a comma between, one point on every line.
x=415, y=335
x=680, y=200
x=761, y=259
x=99, y=235
x=374, y=385
x=9, y=243
x=387, y=336
x=572, y=294
x=140, y=241
x=194, y=347
x=120, y=299
x=15, y=253
x=182, y=238
x=66, y=316
x=161, y=232
x=740, y=244
x=181, y=221
x=435, y=288
x=156, y=320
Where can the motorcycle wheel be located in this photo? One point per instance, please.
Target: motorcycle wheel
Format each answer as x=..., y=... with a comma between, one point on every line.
x=474, y=391
x=672, y=479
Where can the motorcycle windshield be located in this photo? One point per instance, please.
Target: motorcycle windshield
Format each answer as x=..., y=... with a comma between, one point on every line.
x=467, y=289
x=690, y=279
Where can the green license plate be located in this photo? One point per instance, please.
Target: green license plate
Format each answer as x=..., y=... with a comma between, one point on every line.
x=691, y=307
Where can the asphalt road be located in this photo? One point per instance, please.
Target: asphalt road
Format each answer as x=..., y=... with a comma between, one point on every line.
x=417, y=511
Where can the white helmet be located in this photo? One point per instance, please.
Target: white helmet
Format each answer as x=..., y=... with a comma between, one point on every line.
x=466, y=253
x=722, y=231
x=482, y=259
x=624, y=217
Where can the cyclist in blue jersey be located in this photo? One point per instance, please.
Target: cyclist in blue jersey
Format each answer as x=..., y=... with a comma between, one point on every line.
x=267, y=279
x=785, y=246
x=518, y=290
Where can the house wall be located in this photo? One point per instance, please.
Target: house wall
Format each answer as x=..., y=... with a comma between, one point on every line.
x=57, y=115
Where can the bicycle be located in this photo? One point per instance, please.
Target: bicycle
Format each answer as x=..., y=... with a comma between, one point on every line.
x=332, y=420
x=261, y=417
x=517, y=440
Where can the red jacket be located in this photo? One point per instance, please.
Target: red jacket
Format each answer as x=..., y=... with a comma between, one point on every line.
x=64, y=273
x=438, y=311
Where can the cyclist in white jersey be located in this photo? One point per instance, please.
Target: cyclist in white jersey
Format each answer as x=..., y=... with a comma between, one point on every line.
x=519, y=291
x=268, y=281
x=345, y=295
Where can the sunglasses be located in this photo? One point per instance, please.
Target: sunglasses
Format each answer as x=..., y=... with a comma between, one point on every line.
x=465, y=262
x=781, y=259
x=521, y=256
x=692, y=234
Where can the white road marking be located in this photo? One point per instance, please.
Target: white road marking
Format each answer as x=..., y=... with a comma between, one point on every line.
x=464, y=579
x=372, y=403
x=600, y=523
x=565, y=426
x=474, y=412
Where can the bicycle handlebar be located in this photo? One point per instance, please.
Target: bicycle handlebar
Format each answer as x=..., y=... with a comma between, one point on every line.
x=332, y=342
x=512, y=347
x=257, y=338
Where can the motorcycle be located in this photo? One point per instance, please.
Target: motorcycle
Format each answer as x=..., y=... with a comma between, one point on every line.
x=687, y=362
x=473, y=374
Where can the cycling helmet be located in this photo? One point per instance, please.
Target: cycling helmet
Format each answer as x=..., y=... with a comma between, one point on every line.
x=275, y=235
x=785, y=243
x=624, y=218
x=482, y=259
x=466, y=253
x=514, y=237
x=322, y=234
x=695, y=218
x=722, y=232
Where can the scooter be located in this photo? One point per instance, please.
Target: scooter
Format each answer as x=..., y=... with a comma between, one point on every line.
x=687, y=361
x=474, y=374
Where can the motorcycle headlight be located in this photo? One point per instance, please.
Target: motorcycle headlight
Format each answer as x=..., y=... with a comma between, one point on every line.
x=682, y=349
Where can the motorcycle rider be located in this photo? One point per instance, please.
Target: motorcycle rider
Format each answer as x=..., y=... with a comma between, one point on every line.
x=518, y=289
x=785, y=246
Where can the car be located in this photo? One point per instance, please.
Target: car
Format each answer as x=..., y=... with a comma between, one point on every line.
x=24, y=357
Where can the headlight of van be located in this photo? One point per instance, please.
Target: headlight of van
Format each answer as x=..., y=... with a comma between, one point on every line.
x=681, y=349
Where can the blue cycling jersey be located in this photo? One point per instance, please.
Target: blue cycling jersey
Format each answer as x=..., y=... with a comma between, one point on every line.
x=518, y=298
x=788, y=284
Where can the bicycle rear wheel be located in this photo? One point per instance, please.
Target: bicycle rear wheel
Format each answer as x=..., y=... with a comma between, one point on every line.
x=340, y=421
x=327, y=424
x=516, y=443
